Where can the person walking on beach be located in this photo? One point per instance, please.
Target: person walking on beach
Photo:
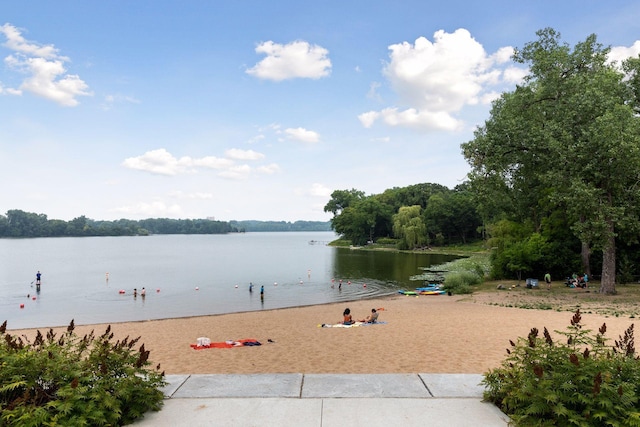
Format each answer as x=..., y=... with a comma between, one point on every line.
x=547, y=278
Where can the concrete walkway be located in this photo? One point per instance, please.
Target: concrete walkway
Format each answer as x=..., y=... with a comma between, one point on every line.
x=325, y=400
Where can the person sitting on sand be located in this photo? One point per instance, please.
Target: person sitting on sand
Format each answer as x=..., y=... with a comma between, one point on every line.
x=372, y=318
x=347, y=319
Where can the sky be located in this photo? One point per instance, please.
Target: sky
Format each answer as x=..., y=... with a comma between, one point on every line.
x=256, y=110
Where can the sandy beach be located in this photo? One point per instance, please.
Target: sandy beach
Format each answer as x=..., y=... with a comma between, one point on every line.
x=426, y=334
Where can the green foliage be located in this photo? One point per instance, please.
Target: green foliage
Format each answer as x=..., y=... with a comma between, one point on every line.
x=362, y=219
x=66, y=380
x=256, y=226
x=342, y=199
x=387, y=241
x=460, y=282
x=452, y=215
x=409, y=228
x=18, y=223
x=459, y=275
x=517, y=250
x=583, y=382
x=566, y=139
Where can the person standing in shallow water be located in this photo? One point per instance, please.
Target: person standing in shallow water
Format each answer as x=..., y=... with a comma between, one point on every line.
x=38, y=277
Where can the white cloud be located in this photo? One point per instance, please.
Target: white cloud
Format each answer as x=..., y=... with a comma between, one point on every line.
x=503, y=55
x=9, y=91
x=236, y=172
x=412, y=118
x=302, y=135
x=237, y=154
x=320, y=190
x=269, y=169
x=514, y=74
x=212, y=162
x=436, y=80
x=160, y=162
x=297, y=59
x=17, y=43
x=620, y=53
x=46, y=75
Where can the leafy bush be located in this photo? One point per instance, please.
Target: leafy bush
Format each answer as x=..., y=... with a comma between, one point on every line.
x=73, y=381
x=460, y=282
x=584, y=382
x=386, y=241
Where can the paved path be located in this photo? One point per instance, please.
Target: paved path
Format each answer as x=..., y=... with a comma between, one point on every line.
x=325, y=400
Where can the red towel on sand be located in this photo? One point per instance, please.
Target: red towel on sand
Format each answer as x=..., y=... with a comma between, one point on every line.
x=227, y=344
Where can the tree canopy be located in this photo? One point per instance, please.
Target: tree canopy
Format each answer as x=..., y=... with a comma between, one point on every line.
x=416, y=215
x=567, y=138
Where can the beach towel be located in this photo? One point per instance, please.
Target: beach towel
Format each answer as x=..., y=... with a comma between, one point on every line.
x=342, y=325
x=248, y=342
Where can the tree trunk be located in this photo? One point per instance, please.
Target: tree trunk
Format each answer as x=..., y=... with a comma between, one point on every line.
x=585, y=255
x=608, y=281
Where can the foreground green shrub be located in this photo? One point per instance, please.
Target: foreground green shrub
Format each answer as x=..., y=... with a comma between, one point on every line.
x=71, y=381
x=460, y=282
x=584, y=382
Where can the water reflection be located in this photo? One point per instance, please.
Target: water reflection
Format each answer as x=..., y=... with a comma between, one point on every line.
x=393, y=269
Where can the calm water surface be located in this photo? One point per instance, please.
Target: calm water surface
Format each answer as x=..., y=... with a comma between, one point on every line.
x=188, y=275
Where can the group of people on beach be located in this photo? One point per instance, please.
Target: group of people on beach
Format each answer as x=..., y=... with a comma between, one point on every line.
x=576, y=281
x=347, y=318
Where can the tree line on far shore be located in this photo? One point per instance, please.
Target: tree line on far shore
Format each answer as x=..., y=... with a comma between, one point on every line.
x=17, y=223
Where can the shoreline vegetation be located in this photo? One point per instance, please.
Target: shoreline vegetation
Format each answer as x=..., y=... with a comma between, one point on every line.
x=20, y=224
x=512, y=293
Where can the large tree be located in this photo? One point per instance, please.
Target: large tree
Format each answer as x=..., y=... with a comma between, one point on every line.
x=568, y=138
x=409, y=227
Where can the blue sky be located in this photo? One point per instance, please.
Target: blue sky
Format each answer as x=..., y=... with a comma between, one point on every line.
x=253, y=109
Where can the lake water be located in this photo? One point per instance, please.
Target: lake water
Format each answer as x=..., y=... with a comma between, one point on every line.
x=189, y=275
